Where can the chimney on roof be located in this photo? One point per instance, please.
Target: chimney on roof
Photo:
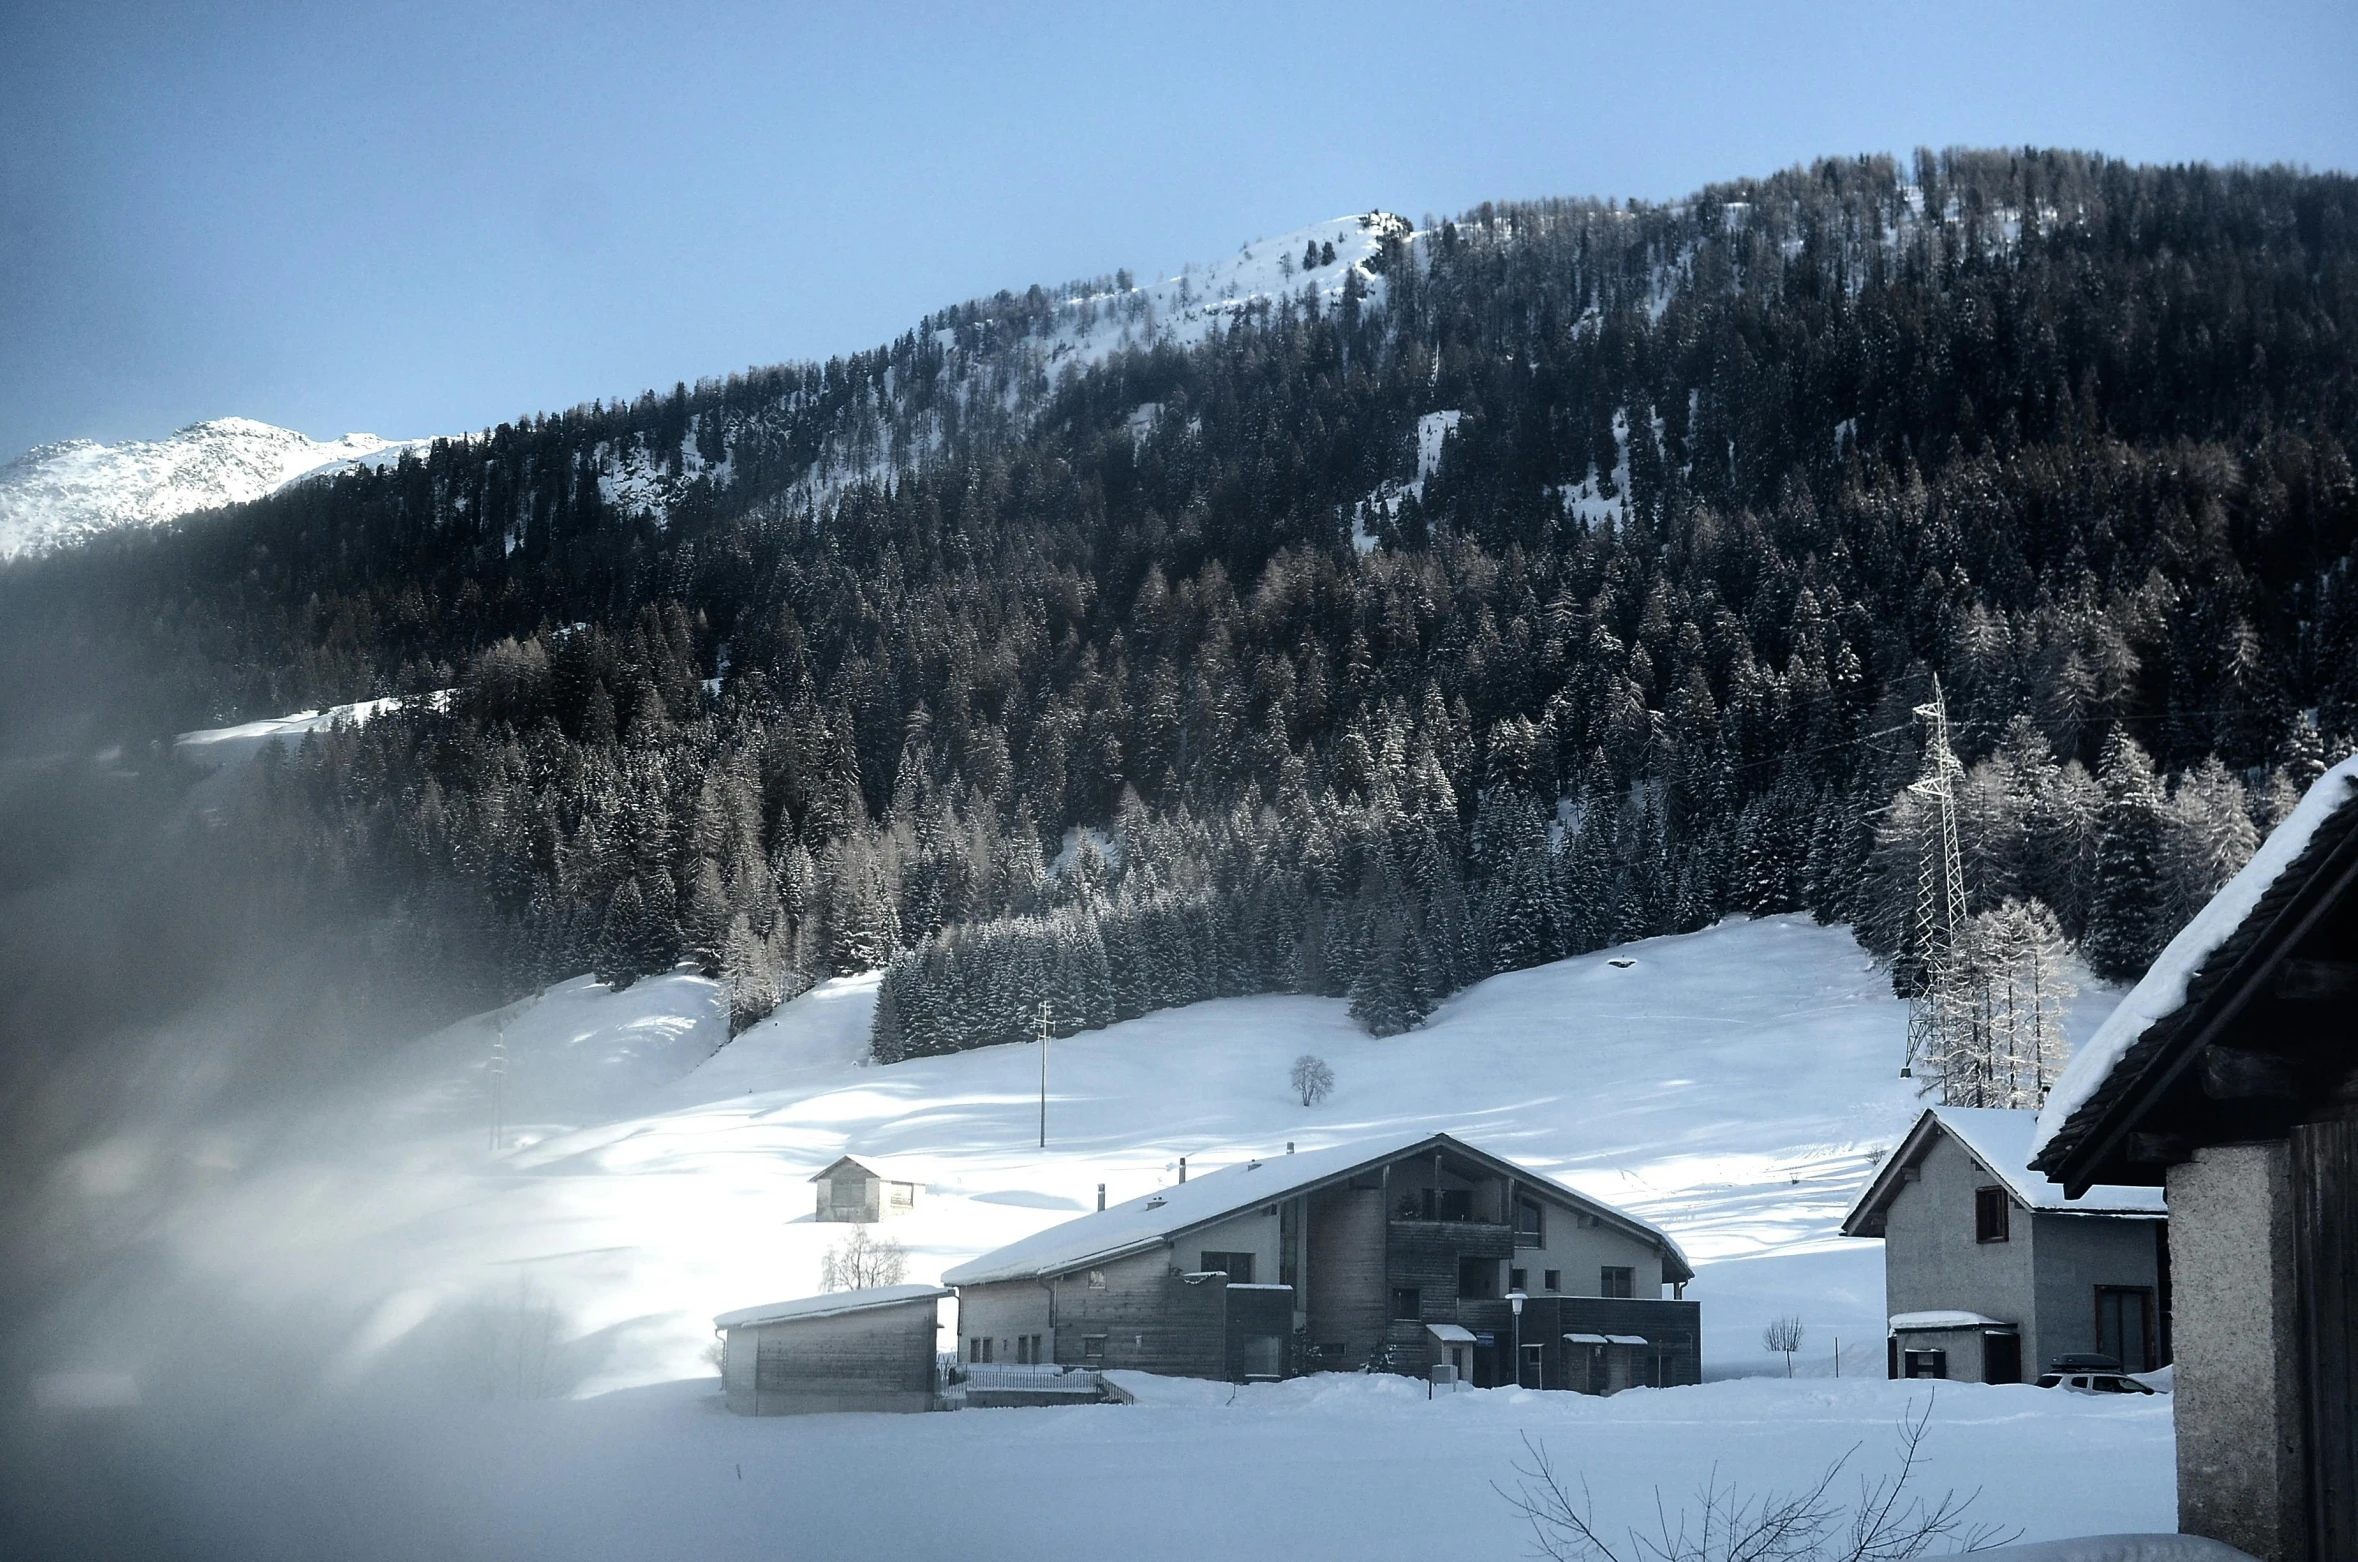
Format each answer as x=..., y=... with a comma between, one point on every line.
x=1101, y=1195
x=1182, y=1168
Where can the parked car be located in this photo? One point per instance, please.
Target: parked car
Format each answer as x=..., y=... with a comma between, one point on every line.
x=2087, y=1374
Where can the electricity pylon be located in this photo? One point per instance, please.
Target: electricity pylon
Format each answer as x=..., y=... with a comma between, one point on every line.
x=1940, y=888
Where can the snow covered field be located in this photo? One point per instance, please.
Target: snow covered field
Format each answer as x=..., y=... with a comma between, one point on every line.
x=1328, y=1467
x=511, y=1340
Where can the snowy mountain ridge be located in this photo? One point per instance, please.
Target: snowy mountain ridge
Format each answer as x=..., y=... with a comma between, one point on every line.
x=56, y=495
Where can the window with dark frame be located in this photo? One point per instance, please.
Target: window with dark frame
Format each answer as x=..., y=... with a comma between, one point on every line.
x=1554, y=1279
x=1518, y=1279
x=1925, y=1363
x=1990, y=1212
x=1093, y=1350
x=1237, y=1266
x=1616, y=1280
x=1477, y=1279
x=1530, y=1224
x=1407, y=1302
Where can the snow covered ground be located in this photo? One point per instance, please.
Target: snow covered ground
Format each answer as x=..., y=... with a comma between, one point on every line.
x=1734, y=1086
x=408, y=1280
x=55, y=495
x=1329, y=1467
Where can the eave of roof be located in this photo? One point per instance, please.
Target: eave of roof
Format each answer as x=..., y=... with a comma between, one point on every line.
x=1036, y=1257
x=883, y=1171
x=1970, y=1128
x=2216, y=983
x=833, y=1305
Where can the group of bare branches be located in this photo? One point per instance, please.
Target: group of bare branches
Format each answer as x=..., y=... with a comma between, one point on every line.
x=1889, y=1522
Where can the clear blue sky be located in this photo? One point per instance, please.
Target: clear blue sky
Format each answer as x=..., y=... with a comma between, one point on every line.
x=424, y=218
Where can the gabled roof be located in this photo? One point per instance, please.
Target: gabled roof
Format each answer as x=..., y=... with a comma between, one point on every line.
x=886, y=1171
x=1169, y=1213
x=2158, y=1030
x=1999, y=1142
x=834, y=1304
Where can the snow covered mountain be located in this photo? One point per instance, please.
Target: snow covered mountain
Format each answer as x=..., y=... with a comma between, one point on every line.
x=56, y=495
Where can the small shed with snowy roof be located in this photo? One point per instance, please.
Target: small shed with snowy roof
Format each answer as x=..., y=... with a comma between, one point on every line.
x=1990, y=1268
x=2229, y=1076
x=1403, y=1253
x=849, y=1350
x=859, y=1189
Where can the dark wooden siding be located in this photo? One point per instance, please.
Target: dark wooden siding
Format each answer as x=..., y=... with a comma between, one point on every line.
x=1674, y=1331
x=1260, y=1327
x=879, y=1359
x=2325, y=1246
x=1152, y=1320
x=1345, y=1289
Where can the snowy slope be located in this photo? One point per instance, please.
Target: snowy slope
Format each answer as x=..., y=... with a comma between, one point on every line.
x=1184, y=309
x=399, y=1276
x=1733, y=1086
x=56, y=495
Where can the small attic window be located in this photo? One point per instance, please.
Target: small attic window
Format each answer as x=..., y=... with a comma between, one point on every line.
x=1990, y=1207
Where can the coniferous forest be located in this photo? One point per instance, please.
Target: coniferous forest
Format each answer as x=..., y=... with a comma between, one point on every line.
x=1176, y=674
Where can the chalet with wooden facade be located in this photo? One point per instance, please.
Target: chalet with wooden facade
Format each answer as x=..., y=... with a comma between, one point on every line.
x=2229, y=1077
x=865, y=1191
x=1404, y=1254
x=849, y=1350
x=1990, y=1270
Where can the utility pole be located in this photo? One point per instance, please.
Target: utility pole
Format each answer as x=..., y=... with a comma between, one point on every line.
x=1043, y=1073
x=499, y=1081
x=1940, y=889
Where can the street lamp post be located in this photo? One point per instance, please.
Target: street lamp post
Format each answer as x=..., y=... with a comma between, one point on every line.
x=1515, y=1300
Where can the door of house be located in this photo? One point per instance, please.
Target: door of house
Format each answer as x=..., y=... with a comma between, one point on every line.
x=1534, y=1365
x=2325, y=1258
x=2124, y=1325
x=2001, y=1358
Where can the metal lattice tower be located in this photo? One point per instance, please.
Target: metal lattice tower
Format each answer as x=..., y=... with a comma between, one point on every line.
x=1940, y=885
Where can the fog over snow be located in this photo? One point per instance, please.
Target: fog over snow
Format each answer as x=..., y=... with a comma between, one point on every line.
x=505, y=1343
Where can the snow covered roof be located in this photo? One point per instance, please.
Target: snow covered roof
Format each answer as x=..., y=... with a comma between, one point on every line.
x=2138, y=1032
x=1945, y=1318
x=2000, y=1142
x=830, y=1305
x=1167, y=1213
x=1451, y=1333
x=883, y=1171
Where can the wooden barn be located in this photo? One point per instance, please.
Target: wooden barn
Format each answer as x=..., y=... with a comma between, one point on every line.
x=2229, y=1078
x=1401, y=1254
x=850, y=1350
x=865, y=1191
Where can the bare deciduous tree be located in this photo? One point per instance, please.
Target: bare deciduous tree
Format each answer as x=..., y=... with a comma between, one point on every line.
x=1889, y=1523
x=1313, y=1081
x=1783, y=1334
x=860, y=1261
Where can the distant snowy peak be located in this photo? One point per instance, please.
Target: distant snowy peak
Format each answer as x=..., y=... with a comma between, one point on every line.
x=56, y=495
